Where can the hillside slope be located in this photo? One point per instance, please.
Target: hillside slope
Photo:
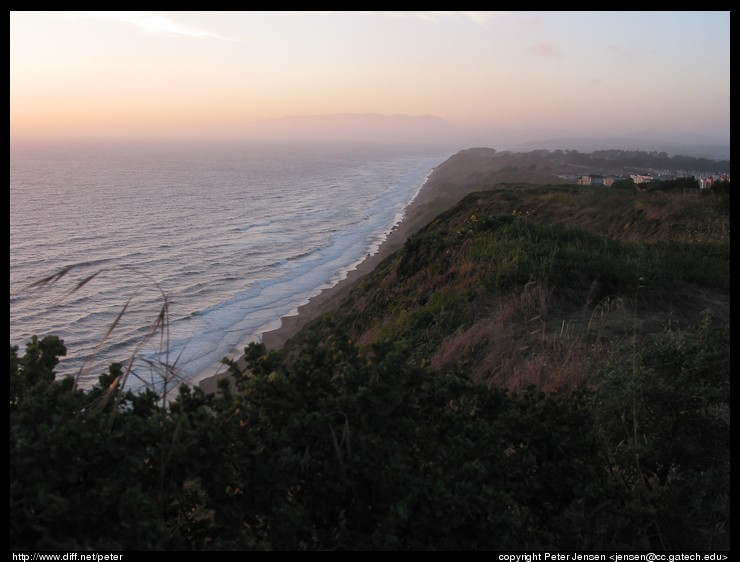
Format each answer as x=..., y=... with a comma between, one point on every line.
x=527, y=284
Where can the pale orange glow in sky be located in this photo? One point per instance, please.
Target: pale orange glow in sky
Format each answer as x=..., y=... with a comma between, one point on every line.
x=195, y=73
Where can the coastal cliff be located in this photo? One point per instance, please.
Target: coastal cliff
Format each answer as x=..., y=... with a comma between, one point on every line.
x=537, y=367
x=585, y=260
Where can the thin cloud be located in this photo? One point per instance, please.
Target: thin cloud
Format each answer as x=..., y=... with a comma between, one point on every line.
x=545, y=50
x=476, y=17
x=152, y=24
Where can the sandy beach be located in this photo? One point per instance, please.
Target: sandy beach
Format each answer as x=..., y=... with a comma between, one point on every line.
x=433, y=198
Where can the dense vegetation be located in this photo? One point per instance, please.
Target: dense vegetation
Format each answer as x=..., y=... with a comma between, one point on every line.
x=533, y=370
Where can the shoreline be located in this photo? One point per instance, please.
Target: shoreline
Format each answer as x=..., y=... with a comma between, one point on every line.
x=433, y=198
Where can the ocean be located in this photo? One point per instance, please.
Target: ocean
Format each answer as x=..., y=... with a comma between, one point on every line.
x=234, y=236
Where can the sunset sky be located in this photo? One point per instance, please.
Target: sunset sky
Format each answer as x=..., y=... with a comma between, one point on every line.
x=208, y=73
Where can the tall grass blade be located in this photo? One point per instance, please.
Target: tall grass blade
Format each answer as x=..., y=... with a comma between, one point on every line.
x=85, y=367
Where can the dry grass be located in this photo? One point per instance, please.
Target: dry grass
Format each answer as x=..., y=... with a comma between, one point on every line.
x=516, y=344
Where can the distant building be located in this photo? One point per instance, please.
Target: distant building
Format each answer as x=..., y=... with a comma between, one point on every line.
x=637, y=178
x=597, y=179
x=584, y=180
x=705, y=182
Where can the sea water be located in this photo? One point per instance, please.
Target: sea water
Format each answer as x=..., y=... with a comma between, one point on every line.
x=232, y=237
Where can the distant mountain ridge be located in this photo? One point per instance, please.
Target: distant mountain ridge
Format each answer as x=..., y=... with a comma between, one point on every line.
x=358, y=127
x=368, y=118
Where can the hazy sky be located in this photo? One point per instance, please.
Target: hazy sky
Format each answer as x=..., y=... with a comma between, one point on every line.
x=185, y=73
